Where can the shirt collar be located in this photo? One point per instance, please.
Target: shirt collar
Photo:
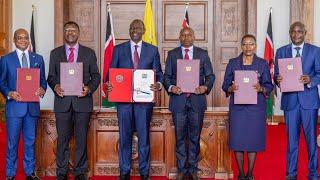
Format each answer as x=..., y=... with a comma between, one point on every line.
x=190, y=48
x=133, y=43
x=19, y=52
x=76, y=46
x=294, y=46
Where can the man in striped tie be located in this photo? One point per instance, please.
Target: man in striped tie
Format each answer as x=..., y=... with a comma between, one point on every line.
x=73, y=112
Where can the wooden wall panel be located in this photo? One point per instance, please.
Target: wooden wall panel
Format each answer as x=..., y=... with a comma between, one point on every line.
x=229, y=28
x=302, y=10
x=87, y=15
x=5, y=27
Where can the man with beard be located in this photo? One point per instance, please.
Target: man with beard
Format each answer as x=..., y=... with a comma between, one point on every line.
x=188, y=108
x=135, y=54
x=73, y=112
x=301, y=108
x=21, y=117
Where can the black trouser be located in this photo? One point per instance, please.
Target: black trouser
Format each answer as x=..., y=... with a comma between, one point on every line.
x=69, y=123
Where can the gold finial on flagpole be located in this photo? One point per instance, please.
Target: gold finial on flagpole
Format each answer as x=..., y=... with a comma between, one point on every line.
x=33, y=7
x=271, y=10
x=187, y=3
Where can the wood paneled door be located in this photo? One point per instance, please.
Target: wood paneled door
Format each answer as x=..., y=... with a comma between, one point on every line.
x=218, y=25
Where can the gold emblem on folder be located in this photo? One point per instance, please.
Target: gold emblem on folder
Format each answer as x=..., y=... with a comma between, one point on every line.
x=290, y=67
x=188, y=68
x=28, y=77
x=71, y=71
x=246, y=80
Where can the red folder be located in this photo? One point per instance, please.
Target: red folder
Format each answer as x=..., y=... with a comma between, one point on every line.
x=71, y=78
x=129, y=85
x=291, y=70
x=245, y=80
x=188, y=74
x=121, y=82
x=28, y=81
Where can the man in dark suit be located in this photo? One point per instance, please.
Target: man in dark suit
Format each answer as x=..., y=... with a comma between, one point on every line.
x=301, y=108
x=20, y=116
x=135, y=54
x=72, y=112
x=188, y=109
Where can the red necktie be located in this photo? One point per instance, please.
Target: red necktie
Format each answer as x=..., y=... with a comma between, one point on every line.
x=71, y=55
x=186, y=57
x=135, y=57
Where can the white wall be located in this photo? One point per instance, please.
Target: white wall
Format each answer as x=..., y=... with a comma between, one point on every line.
x=44, y=31
x=44, y=28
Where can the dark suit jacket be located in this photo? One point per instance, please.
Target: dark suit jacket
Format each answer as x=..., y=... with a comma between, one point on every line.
x=309, y=98
x=259, y=65
x=8, y=77
x=149, y=59
x=199, y=102
x=91, y=78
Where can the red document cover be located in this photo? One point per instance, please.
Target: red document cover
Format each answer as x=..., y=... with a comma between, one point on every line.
x=291, y=70
x=188, y=74
x=71, y=78
x=245, y=94
x=28, y=81
x=121, y=81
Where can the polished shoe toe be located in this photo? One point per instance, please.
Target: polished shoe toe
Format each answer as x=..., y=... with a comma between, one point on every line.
x=81, y=177
x=124, y=176
x=145, y=177
x=33, y=176
x=10, y=178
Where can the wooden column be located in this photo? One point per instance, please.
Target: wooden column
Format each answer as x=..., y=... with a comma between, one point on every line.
x=251, y=17
x=302, y=10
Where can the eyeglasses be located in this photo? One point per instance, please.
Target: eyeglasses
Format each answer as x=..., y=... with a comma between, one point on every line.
x=20, y=38
x=248, y=44
x=71, y=30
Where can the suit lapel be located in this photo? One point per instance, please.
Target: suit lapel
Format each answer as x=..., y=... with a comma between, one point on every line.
x=179, y=53
x=63, y=56
x=142, y=54
x=128, y=49
x=289, y=51
x=16, y=62
x=32, y=59
x=195, y=53
x=80, y=57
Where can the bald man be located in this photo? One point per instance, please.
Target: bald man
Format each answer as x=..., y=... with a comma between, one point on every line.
x=21, y=117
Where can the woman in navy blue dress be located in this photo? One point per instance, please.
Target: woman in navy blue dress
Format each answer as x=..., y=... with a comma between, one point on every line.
x=248, y=122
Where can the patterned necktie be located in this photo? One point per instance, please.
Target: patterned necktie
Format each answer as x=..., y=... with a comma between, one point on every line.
x=24, y=61
x=186, y=55
x=71, y=55
x=135, y=57
x=298, y=51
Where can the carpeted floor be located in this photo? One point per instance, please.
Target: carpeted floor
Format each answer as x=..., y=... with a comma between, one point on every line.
x=270, y=165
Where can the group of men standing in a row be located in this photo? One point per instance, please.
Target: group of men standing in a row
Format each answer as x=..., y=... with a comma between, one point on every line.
x=72, y=113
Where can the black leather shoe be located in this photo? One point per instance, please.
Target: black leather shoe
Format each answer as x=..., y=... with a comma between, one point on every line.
x=145, y=177
x=81, y=177
x=242, y=177
x=180, y=176
x=32, y=177
x=194, y=176
x=291, y=178
x=10, y=178
x=249, y=178
x=62, y=177
x=124, y=176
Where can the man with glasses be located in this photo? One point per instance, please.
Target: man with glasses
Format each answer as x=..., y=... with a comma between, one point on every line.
x=73, y=112
x=301, y=108
x=20, y=116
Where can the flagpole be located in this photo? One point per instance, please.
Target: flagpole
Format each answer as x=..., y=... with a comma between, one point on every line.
x=272, y=122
